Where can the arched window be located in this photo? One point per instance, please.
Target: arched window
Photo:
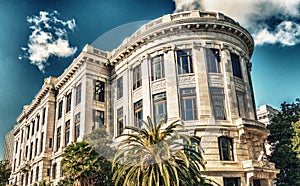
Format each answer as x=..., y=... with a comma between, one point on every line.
x=225, y=148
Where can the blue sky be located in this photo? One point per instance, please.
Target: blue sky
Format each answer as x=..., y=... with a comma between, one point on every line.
x=275, y=27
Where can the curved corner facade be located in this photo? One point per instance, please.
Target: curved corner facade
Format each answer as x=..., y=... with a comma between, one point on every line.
x=192, y=65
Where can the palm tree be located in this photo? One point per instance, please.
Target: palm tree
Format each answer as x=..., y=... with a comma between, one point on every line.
x=80, y=163
x=155, y=156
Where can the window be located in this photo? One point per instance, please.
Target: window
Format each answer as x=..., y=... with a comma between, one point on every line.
x=36, y=147
x=44, y=116
x=42, y=142
x=37, y=173
x=225, y=148
x=240, y=96
x=26, y=152
x=54, y=170
x=138, y=113
x=99, y=90
x=98, y=119
x=184, y=61
x=188, y=104
x=37, y=122
x=232, y=181
x=194, y=144
x=58, y=138
x=78, y=94
x=120, y=121
x=160, y=107
x=20, y=157
x=137, y=77
x=236, y=65
x=158, y=69
x=67, y=132
x=68, y=105
x=22, y=136
x=218, y=103
x=32, y=129
x=60, y=109
x=16, y=149
x=213, y=60
x=31, y=176
x=30, y=151
x=120, y=88
x=77, y=126
x=28, y=131
x=50, y=142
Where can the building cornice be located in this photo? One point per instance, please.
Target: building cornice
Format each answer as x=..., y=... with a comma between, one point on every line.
x=182, y=22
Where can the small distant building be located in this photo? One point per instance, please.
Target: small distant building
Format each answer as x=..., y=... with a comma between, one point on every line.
x=265, y=114
x=8, y=147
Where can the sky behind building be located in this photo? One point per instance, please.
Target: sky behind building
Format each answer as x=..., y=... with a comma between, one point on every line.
x=40, y=38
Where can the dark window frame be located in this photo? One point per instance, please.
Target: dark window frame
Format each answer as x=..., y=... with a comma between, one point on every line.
x=78, y=94
x=68, y=102
x=236, y=65
x=99, y=90
x=213, y=60
x=218, y=103
x=120, y=87
x=137, y=77
x=188, y=95
x=225, y=145
x=120, y=121
x=160, y=103
x=185, y=61
x=157, y=67
x=138, y=113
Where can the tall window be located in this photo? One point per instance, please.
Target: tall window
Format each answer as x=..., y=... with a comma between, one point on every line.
x=67, y=132
x=31, y=151
x=120, y=121
x=120, y=88
x=160, y=107
x=78, y=94
x=184, y=61
x=42, y=142
x=232, y=181
x=22, y=136
x=32, y=128
x=98, y=119
x=240, y=96
x=158, y=68
x=213, y=60
x=28, y=131
x=58, y=138
x=37, y=173
x=225, y=148
x=69, y=100
x=99, y=90
x=36, y=146
x=77, y=126
x=218, y=102
x=16, y=149
x=60, y=109
x=138, y=114
x=236, y=65
x=37, y=122
x=188, y=104
x=137, y=77
x=26, y=152
x=54, y=170
x=44, y=116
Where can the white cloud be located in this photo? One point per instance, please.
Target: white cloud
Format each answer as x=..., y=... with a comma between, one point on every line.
x=266, y=19
x=49, y=37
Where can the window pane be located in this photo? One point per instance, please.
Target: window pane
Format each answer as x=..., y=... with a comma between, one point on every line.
x=188, y=104
x=184, y=61
x=99, y=91
x=137, y=81
x=236, y=66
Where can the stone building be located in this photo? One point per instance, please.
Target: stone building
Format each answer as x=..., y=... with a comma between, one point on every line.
x=265, y=113
x=8, y=147
x=192, y=65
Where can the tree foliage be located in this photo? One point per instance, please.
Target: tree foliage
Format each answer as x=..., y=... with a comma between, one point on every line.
x=5, y=170
x=154, y=155
x=284, y=137
x=89, y=161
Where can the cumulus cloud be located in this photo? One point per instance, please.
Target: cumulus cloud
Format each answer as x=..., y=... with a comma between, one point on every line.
x=49, y=37
x=269, y=21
